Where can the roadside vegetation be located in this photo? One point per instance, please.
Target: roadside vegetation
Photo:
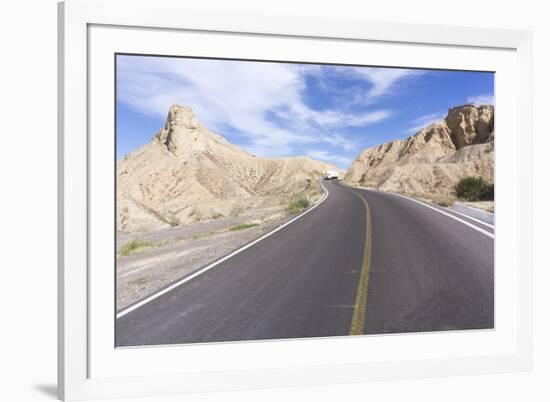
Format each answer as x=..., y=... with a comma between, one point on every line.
x=474, y=189
x=133, y=246
x=201, y=235
x=243, y=226
x=137, y=245
x=195, y=214
x=174, y=221
x=217, y=215
x=297, y=206
x=236, y=210
x=444, y=200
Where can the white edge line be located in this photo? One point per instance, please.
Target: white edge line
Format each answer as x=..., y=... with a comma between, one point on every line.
x=491, y=235
x=217, y=262
x=472, y=218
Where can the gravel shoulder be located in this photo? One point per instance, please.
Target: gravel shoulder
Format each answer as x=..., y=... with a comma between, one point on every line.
x=487, y=206
x=176, y=252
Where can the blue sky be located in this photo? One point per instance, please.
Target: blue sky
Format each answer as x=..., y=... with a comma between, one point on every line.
x=270, y=109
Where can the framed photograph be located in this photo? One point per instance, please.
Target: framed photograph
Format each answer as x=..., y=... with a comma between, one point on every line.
x=252, y=201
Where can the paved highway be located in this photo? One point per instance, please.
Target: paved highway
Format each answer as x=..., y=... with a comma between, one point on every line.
x=362, y=262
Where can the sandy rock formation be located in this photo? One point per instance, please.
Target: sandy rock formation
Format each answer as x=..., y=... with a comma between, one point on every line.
x=188, y=174
x=433, y=160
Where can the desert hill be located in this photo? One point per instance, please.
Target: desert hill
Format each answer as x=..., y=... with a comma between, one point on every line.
x=433, y=160
x=188, y=174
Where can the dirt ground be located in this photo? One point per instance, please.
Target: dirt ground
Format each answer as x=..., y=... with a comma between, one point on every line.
x=176, y=252
x=488, y=206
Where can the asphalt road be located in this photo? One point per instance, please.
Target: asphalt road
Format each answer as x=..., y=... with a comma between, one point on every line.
x=362, y=262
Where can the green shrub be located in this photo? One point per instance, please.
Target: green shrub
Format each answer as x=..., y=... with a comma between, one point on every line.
x=242, y=226
x=298, y=206
x=236, y=210
x=489, y=193
x=200, y=235
x=217, y=215
x=174, y=221
x=133, y=246
x=196, y=214
x=474, y=189
x=443, y=200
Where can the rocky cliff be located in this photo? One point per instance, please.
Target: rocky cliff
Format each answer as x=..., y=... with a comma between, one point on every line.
x=188, y=173
x=433, y=160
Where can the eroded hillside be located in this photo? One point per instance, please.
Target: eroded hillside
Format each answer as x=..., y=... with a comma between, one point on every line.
x=433, y=160
x=188, y=174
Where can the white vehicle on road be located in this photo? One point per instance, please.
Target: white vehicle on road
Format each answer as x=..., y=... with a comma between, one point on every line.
x=331, y=174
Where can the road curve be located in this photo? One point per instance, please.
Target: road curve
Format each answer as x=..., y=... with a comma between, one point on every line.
x=426, y=272
x=299, y=282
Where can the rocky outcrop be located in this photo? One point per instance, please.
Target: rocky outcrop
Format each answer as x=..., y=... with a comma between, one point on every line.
x=188, y=174
x=433, y=160
x=470, y=125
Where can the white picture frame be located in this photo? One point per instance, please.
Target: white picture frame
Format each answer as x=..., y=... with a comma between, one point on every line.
x=81, y=339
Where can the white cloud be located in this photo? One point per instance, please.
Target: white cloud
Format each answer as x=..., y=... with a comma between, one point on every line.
x=484, y=99
x=339, y=160
x=420, y=122
x=339, y=119
x=339, y=141
x=384, y=79
x=221, y=93
x=301, y=114
x=243, y=96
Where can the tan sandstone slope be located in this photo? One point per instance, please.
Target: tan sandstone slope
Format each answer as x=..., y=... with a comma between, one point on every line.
x=187, y=174
x=433, y=160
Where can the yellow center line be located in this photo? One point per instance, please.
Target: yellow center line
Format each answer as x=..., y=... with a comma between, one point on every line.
x=360, y=307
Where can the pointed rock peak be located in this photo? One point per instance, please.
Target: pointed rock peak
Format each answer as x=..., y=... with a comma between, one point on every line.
x=180, y=128
x=181, y=116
